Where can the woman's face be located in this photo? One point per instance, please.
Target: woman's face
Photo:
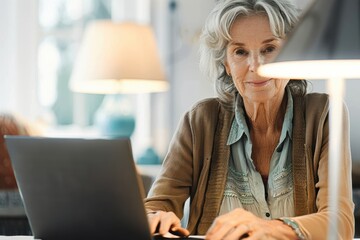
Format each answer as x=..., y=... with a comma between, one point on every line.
x=253, y=44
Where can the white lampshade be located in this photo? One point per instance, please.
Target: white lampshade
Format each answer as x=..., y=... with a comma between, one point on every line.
x=118, y=58
x=325, y=44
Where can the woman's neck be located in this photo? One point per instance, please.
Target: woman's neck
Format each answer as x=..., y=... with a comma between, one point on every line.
x=266, y=116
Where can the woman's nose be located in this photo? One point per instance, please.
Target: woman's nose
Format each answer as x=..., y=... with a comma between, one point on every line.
x=254, y=63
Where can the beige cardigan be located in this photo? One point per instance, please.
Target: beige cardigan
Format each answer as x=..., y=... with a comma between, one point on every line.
x=197, y=163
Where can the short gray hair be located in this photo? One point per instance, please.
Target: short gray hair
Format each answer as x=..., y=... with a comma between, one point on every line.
x=282, y=14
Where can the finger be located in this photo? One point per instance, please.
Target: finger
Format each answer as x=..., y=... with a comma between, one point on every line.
x=179, y=231
x=220, y=229
x=215, y=226
x=167, y=221
x=235, y=217
x=258, y=235
x=268, y=231
x=154, y=221
x=238, y=232
x=263, y=233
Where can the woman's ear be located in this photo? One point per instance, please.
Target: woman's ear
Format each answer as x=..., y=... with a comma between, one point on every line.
x=227, y=68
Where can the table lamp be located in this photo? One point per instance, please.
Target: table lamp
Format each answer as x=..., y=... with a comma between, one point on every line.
x=324, y=45
x=117, y=59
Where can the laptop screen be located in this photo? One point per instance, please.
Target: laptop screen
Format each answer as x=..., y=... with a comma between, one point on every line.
x=79, y=188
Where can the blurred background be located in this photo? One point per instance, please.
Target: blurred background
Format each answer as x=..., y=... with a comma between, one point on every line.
x=40, y=40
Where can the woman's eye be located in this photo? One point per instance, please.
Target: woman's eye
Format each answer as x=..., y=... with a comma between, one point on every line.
x=240, y=52
x=269, y=49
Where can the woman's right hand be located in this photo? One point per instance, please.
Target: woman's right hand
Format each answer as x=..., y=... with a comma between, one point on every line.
x=164, y=222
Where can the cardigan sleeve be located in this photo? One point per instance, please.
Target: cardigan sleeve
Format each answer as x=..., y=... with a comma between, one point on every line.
x=315, y=225
x=171, y=189
x=186, y=165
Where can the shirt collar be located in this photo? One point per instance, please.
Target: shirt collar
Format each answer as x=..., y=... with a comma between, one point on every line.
x=286, y=130
x=239, y=127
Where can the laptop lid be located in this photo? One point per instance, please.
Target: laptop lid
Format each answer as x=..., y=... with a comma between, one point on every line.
x=79, y=188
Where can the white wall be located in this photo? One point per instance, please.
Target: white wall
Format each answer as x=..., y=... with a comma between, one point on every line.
x=188, y=85
x=18, y=34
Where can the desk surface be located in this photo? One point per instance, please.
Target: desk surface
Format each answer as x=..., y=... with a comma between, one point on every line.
x=31, y=238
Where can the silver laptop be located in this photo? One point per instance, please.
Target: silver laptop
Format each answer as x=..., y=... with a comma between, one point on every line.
x=79, y=188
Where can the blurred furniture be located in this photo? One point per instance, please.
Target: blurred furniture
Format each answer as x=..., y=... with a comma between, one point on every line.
x=13, y=220
x=148, y=174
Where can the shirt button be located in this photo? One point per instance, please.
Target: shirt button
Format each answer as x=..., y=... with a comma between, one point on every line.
x=267, y=214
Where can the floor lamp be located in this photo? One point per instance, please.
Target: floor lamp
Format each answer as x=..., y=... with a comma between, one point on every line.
x=324, y=45
x=117, y=59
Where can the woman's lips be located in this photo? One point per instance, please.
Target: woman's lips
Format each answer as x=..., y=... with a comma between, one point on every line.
x=259, y=83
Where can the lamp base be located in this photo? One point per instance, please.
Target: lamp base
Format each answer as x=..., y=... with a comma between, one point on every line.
x=114, y=117
x=149, y=157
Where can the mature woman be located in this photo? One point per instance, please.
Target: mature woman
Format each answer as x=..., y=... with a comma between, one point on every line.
x=254, y=160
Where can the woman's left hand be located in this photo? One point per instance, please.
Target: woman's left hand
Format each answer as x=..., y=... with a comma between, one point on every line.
x=240, y=222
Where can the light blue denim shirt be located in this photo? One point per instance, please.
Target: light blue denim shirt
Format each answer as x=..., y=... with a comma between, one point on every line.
x=244, y=186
